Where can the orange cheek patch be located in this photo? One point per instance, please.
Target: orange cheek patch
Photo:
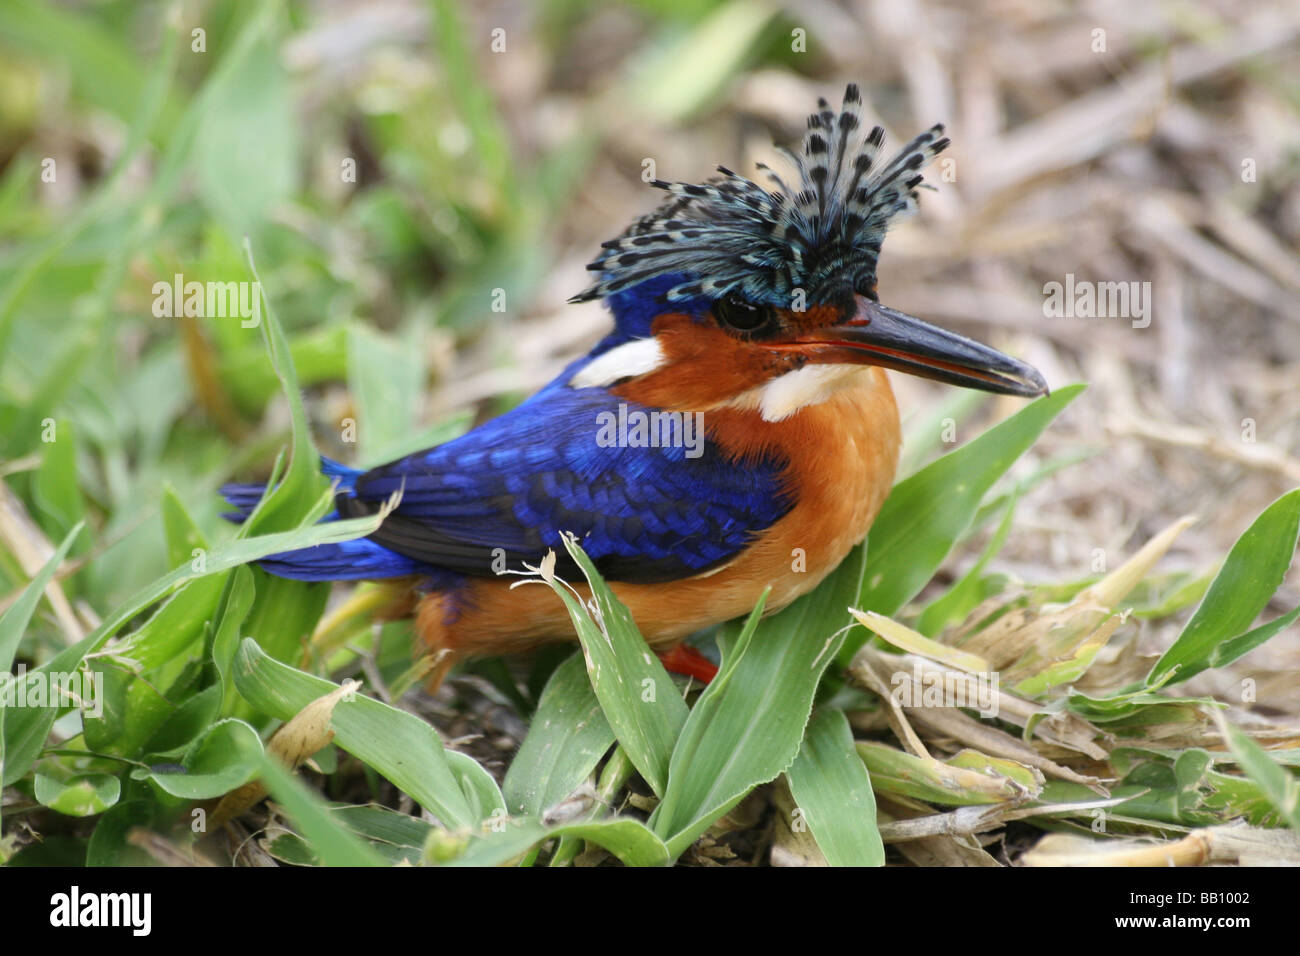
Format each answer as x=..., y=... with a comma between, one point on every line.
x=704, y=366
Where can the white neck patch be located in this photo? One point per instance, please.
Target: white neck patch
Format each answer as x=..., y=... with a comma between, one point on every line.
x=623, y=361
x=786, y=394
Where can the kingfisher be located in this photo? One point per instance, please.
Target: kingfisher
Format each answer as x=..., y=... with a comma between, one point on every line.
x=734, y=431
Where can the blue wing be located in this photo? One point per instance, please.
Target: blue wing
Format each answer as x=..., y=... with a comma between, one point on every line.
x=511, y=486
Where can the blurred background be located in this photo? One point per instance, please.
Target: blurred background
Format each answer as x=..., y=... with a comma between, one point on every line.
x=422, y=183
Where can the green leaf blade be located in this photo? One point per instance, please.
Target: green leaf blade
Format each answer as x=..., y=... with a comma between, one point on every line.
x=747, y=726
x=1250, y=575
x=399, y=745
x=566, y=739
x=638, y=698
x=830, y=784
x=927, y=512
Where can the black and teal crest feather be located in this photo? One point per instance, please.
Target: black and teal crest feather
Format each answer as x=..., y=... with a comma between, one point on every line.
x=730, y=236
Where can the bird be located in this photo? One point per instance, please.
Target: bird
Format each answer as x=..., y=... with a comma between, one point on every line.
x=734, y=431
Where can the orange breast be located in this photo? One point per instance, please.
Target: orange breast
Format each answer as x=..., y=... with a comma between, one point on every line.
x=843, y=454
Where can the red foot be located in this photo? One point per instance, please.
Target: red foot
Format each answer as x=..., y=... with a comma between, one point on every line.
x=686, y=660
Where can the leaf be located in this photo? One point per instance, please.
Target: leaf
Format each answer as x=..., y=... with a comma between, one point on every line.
x=1135, y=707
x=1235, y=647
x=132, y=711
x=1074, y=666
x=832, y=788
x=306, y=733
x=230, y=617
x=225, y=757
x=55, y=491
x=177, y=624
x=186, y=722
x=25, y=729
x=60, y=851
x=399, y=745
x=1250, y=575
x=109, y=846
x=968, y=778
x=479, y=787
x=566, y=739
x=285, y=612
x=386, y=380
x=15, y=760
x=83, y=795
x=285, y=505
x=908, y=640
x=245, y=152
x=395, y=836
x=682, y=77
x=927, y=512
x=14, y=621
x=328, y=836
x=746, y=727
x=636, y=694
x=964, y=596
x=1277, y=784
x=925, y=431
x=183, y=536
x=629, y=840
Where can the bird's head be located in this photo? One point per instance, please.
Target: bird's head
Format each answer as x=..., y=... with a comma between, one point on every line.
x=730, y=290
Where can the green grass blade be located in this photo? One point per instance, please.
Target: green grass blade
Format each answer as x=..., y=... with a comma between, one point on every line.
x=15, y=620
x=479, y=787
x=925, y=432
x=285, y=505
x=636, y=694
x=927, y=512
x=12, y=625
x=963, y=597
x=830, y=784
x=246, y=150
x=566, y=739
x=224, y=757
x=1274, y=780
x=233, y=611
x=399, y=745
x=746, y=727
x=83, y=795
x=55, y=491
x=176, y=624
x=397, y=837
x=681, y=77
x=629, y=840
x=184, y=539
x=386, y=381
x=26, y=728
x=332, y=841
x=1250, y=575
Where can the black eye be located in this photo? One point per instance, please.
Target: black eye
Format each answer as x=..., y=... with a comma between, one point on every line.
x=736, y=313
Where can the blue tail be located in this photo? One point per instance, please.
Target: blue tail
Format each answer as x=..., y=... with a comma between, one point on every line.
x=345, y=561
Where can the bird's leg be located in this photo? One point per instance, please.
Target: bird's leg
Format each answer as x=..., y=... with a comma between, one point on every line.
x=687, y=661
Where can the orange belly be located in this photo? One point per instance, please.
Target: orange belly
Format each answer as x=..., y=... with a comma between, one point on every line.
x=843, y=454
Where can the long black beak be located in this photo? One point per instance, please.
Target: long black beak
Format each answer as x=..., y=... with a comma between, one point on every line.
x=879, y=335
